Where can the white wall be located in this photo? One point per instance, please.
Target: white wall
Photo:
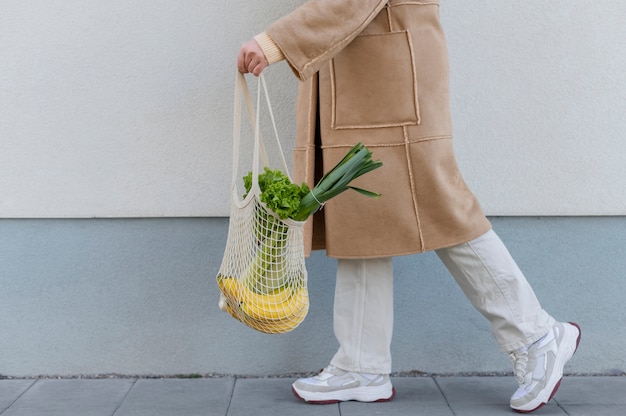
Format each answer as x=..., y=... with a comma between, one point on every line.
x=123, y=108
x=540, y=103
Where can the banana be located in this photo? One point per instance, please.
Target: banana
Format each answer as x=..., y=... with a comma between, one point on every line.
x=278, y=312
x=231, y=293
x=230, y=288
x=276, y=306
x=276, y=326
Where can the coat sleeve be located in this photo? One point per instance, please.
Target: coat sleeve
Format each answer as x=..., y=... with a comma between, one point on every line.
x=312, y=34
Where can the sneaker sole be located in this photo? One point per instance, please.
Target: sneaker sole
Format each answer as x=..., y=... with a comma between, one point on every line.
x=360, y=394
x=538, y=402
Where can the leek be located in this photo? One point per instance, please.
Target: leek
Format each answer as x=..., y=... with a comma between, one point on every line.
x=358, y=161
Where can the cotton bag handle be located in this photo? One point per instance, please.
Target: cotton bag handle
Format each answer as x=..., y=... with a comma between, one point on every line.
x=241, y=89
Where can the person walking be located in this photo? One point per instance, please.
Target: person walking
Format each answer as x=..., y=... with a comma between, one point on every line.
x=376, y=72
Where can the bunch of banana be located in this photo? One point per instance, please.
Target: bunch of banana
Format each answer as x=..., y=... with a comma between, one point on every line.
x=277, y=312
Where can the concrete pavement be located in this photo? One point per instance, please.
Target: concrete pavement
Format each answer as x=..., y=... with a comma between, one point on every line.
x=235, y=396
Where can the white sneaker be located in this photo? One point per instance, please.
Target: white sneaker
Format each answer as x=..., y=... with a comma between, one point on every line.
x=334, y=385
x=539, y=367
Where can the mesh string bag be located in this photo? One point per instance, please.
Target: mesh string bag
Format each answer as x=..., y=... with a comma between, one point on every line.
x=262, y=277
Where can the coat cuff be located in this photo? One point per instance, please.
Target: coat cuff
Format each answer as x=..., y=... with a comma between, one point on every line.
x=270, y=49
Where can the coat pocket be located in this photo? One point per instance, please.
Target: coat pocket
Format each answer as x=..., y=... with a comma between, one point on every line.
x=374, y=83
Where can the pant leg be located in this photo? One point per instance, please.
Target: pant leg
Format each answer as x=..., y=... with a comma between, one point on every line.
x=495, y=285
x=363, y=315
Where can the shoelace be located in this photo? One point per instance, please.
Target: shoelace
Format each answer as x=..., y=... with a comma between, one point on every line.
x=520, y=360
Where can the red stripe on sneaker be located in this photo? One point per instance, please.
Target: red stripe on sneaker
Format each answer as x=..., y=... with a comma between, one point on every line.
x=390, y=398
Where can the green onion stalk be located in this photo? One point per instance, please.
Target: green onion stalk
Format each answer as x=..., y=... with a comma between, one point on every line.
x=358, y=161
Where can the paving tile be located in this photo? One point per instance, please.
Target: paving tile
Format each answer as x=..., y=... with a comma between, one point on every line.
x=71, y=398
x=414, y=395
x=478, y=390
x=596, y=410
x=272, y=397
x=484, y=396
x=433, y=396
x=493, y=409
x=178, y=397
x=592, y=391
x=10, y=390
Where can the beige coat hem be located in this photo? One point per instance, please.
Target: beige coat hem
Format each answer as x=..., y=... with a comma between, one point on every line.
x=452, y=243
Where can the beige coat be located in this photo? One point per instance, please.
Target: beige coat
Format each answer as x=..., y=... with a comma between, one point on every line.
x=376, y=71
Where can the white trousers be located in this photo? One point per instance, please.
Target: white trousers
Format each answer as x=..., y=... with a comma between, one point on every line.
x=483, y=268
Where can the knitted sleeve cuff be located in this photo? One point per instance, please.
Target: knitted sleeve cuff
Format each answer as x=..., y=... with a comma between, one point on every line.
x=272, y=52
